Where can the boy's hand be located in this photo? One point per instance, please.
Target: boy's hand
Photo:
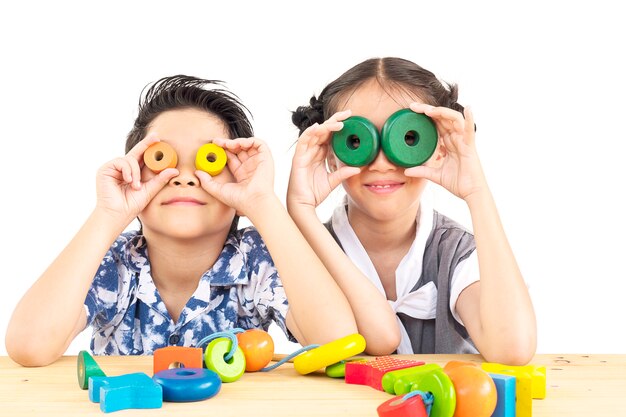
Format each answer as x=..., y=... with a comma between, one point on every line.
x=310, y=183
x=250, y=162
x=456, y=165
x=119, y=188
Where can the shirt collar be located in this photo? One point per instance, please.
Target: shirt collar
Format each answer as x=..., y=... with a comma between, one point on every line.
x=229, y=269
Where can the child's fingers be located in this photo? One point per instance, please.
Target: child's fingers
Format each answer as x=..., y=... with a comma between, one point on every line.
x=335, y=178
x=140, y=148
x=155, y=184
x=421, y=171
x=340, y=116
x=470, y=133
x=209, y=185
x=123, y=166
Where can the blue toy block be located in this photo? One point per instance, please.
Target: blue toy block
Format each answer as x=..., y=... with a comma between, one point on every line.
x=505, y=387
x=122, y=392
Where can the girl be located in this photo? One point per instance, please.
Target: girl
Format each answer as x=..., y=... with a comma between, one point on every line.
x=188, y=272
x=417, y=281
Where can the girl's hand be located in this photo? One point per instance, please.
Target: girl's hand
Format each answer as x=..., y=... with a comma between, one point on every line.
x=459, y=170
x=119, y=187
x=251, y=164
x=310, y=182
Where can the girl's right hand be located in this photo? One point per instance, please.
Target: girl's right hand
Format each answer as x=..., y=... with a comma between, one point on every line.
x=119, y=186
x=310, y=182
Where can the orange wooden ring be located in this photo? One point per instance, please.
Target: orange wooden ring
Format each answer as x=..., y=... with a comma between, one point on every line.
x=160, y=156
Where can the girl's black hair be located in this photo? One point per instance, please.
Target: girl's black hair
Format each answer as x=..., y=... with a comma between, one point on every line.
x=391, y=73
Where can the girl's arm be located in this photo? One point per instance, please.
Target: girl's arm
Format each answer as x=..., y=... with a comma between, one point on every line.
x=497, y=311
x=309, y=184
x=52, y=312
x=318, y=310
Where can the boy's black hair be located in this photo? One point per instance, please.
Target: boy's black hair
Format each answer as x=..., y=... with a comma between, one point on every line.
x=185, y=92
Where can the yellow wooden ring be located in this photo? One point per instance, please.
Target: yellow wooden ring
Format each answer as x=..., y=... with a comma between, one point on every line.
x=211, y=159
x=329, y=353
x=160, y=156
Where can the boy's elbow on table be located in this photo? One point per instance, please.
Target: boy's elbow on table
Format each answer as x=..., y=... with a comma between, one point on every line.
x=31, y=354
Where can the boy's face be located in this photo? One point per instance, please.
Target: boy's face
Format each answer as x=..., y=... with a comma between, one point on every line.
x=381, y=191
x=183, y=209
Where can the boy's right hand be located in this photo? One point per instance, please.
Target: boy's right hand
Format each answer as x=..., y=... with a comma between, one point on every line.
x=119, y=186
x=310, y=182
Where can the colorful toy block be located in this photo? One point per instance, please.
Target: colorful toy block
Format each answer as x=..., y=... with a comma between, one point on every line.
x=188, y=384
x=86, y=367
x=123, y=392
x=537, y=374
x=176, y=357
x=505, y=386
x=371, y=372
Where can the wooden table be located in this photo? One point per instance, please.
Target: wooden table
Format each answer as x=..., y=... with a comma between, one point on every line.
x=577, y=385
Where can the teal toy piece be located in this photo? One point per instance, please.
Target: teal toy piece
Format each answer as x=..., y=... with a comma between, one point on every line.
x=357, y=144
x=188, y=384
x=86, y=367
x=123, y=392
x=214, y=359
x=505, y=387
x=408, y=139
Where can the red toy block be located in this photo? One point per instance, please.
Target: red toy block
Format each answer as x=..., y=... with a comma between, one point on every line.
x=371, y=372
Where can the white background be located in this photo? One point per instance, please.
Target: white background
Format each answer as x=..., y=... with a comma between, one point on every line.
x=545, y=81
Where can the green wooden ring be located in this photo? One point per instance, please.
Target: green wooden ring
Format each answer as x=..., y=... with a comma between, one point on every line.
x=394, y=143
x=86, y=367
x=354, y=153
x=442, y=388
x=214, y=360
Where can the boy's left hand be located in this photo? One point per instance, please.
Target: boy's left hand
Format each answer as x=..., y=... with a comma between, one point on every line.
x=455, y=164
x=250, y=163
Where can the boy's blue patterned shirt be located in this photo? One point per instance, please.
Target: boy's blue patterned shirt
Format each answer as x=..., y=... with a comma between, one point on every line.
x=242, y=289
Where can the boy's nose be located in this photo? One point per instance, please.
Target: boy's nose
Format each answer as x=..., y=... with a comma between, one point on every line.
x=185, y=178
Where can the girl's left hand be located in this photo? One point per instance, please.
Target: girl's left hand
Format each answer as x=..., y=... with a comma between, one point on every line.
x=250, y=162
x=459, y=170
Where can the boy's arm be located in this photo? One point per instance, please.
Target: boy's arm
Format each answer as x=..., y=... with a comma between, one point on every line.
x=318, y=310
x=51, y=313
x=317, y=306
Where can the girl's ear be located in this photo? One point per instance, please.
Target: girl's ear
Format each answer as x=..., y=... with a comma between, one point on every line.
x=331, y=161
x=438, y=156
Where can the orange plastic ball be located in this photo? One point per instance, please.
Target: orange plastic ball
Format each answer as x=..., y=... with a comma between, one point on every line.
x=258, y=348
x=476, y=394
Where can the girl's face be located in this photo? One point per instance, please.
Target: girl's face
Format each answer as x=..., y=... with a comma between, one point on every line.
x=381, y=192
x=182, y=208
